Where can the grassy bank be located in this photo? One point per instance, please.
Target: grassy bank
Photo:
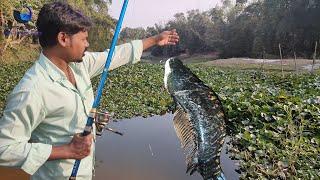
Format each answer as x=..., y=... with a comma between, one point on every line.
x=20, y=53
x=274, y=122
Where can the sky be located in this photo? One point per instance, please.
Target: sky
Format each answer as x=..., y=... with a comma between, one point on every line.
x=143, y=13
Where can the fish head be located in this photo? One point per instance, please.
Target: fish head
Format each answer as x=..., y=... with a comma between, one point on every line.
x=175, y=75
x=167, y=72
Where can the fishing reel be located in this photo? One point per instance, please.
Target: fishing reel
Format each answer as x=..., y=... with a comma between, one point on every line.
x=101, y=120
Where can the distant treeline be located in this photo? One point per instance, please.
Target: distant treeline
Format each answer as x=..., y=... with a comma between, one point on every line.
x=243, y=29
x=236, y=28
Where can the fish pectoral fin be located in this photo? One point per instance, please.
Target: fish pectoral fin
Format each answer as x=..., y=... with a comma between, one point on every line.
x=187, y=135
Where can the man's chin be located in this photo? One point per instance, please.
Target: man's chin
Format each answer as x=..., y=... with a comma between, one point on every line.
x=78, y=60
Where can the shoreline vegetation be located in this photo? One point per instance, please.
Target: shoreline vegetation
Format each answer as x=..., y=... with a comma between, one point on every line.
x=273, y=118
x=272, y=102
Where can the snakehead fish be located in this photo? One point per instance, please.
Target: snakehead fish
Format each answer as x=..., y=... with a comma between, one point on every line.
x=199, y=120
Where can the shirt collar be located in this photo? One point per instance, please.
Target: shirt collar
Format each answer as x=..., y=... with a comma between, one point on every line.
x=54, y=72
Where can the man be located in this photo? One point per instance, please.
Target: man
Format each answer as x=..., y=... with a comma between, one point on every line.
x=46, y=111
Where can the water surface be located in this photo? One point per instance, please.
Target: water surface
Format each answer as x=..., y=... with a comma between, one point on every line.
x=148, y=150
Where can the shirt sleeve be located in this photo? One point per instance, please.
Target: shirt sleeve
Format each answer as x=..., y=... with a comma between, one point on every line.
x=22, y=115
x=123, y=54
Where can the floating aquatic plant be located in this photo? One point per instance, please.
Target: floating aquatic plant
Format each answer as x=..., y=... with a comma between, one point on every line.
x=274, y=122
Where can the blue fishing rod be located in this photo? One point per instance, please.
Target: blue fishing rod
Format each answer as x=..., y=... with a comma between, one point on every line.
x=90, y=120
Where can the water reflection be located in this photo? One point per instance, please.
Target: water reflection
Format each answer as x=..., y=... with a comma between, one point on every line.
x=149, y=149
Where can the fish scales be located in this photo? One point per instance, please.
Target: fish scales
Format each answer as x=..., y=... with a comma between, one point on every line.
x=199, y=121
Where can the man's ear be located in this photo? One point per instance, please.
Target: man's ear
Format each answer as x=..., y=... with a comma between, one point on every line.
x=63, y=39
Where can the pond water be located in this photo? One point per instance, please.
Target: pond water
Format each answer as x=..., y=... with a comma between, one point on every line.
x=149, y=149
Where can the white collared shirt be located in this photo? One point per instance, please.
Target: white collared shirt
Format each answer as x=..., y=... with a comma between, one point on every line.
x=46, y=110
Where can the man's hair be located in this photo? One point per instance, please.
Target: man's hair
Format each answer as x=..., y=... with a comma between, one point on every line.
x=59, y=17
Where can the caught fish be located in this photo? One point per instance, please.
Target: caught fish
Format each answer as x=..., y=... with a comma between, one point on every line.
x=199, y=120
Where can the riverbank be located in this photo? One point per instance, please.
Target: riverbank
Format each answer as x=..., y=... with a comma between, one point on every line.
x=273, y=119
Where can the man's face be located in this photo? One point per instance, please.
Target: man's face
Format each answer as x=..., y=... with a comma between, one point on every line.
x=78, y=45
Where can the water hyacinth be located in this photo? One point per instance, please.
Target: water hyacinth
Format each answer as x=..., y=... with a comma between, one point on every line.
x=274, y=122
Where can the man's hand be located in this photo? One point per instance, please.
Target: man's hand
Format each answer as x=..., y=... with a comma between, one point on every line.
x=162, y=39
x=80, y=146
x=167, y=38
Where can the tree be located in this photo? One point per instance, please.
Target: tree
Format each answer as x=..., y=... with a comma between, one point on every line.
x=100, y=34
x=128, y=34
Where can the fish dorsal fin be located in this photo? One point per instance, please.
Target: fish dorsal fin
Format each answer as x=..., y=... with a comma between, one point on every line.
x=187, y=135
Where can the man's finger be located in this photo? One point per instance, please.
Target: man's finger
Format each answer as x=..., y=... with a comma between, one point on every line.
x=175, y=37
x=171, y=43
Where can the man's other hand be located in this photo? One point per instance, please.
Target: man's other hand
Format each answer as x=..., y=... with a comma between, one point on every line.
x=80, y=146
x=167, y=38
x=162, y=39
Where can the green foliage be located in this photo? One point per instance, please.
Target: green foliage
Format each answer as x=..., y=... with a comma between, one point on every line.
x=262, y=25
x=99, y=36
x=236, y=28
x=128, y=34
x=10, y=75
x=273, y=121
x=18, y=54
x=246, y=29
x=136, y=90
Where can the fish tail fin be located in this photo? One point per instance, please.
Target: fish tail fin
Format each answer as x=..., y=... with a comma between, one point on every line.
x=220, y=177
x=211, y=170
